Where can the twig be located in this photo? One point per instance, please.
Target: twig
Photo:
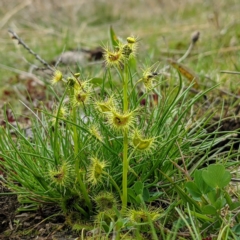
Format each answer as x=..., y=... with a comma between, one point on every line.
x=60, y=58
x=235, y=180
x=228, y=93
x=229, y=72
x=217, y=51
x=184, y=164
x=194, y=39
x=20, y=41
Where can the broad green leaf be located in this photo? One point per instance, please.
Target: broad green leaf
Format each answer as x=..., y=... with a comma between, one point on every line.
x=105, y=226
x=146, y=194
x=229, y=200
x=131, y=195
x=236, y=229
x=133, y=64
x=216, y=176
x=138, y=188
x=138, y=199
x=113, y=37
x=96, y=80
x=219, y=204
x=193, y=189
x=212, y=196
x=209, y=209
x=201, y=184
x=234, y=205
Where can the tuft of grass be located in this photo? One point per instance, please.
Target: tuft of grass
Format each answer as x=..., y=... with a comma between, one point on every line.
x=121, y=156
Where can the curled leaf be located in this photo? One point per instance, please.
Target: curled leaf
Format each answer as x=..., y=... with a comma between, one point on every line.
x=185, y=71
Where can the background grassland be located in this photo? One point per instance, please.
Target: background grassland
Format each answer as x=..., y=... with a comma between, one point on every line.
x=164, y=28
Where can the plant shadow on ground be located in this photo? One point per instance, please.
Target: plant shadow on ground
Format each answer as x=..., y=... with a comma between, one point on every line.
x=28, y=225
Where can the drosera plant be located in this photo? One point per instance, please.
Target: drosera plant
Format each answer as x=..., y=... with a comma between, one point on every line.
x=109, y=155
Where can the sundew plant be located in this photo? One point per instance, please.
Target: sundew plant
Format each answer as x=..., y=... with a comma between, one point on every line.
x=116, y=155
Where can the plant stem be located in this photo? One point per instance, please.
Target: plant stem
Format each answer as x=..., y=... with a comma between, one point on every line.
x=125, y=88
x=77, y=161
x=125, y=141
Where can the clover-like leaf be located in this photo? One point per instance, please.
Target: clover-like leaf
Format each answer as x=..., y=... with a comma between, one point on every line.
x=236, y=229
x=138, y=188
x=216, y=176
x=209, y=209
x=201, y=184
x=220, y=203
x=193, y=189
x=131, y=195
x=146, y=194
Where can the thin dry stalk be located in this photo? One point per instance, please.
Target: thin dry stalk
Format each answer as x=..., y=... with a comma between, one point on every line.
x=21, y=42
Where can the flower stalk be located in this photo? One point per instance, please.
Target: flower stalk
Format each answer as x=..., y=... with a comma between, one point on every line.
x=77, y=161
x=125, y=140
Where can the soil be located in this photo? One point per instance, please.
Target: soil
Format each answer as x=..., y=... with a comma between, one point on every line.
x=32, y=225
x=227, y=125
x=8, y=206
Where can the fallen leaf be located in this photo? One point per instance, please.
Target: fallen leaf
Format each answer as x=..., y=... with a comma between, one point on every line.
x=185, y=71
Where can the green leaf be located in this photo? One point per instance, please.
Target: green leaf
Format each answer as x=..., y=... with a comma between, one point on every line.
x=138, y=199
x=212, y=196
x=113, y=37
x=105, y=226
x=133, y=64
x=228, y=199
x=193, y=189
x=234, y=205
x=219, y=204
x=201, y=184
x=146, y=194
x=96, y=81
x=216, y=176
x=138, y=188
x=131, y=195
x=119, y=224
x=209, y=209
x=236, y=229
x=202, y=216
